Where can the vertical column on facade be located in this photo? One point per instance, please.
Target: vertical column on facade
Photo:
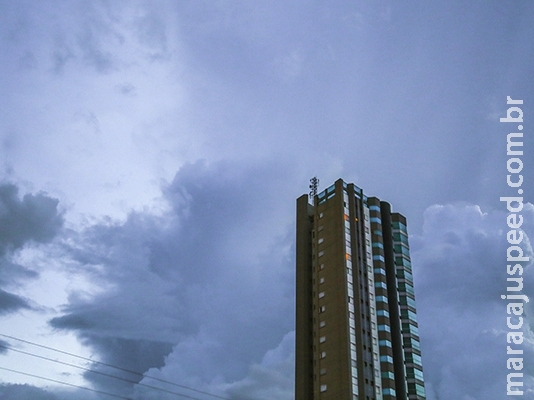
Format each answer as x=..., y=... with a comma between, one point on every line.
x=332, y=297
x=374, y=378
x=393, y=301
x=304, y=317
x=361, y=300
x=381, y=301
x=412, y=349
x=351, y=234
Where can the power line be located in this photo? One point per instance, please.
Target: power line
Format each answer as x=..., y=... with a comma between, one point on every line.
x=114, y=366
x=99, y=372
x=65, y=383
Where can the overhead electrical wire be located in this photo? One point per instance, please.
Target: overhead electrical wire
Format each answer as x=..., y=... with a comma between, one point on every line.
x=99, y=373
x=65, y=383
x=110, y=366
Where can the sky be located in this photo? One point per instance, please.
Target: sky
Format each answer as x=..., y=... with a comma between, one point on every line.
x=152, y=152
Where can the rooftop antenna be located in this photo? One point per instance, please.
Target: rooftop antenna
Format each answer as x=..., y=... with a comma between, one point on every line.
x=314, y=183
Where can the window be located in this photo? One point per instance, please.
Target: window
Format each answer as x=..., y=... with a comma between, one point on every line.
x=321, y=266
x=383, y=313
x=321, y=240
x=382, y=285
x=322, y=324
x=321, y=253
x=387, y=359
x=322, y=339
x=322, y=309
x=323, y=354
x=323, y=371
x=384, y=328
x=323, y=388
x=388, y=375
x=321, y=280
x=320, y=215
x=321, y=295
x=321, y=227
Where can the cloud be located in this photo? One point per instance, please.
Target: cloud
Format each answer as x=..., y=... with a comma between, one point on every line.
x=10, y=302
x=34, y=218
x=212, y=277
x=460, y=272
x=272, y=378
x=3, y=346
x=15, y=392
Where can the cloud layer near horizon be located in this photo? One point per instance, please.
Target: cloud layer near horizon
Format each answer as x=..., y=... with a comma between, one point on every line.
x=179, y=302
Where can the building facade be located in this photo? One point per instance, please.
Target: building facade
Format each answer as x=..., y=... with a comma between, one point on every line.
x=356, y=323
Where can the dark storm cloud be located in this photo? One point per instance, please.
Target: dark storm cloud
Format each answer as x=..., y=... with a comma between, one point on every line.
x=134, y=355
x=460, y=272
x=35, y=217
x=10, y=302
x=209, y=269
x=11, y=272
x=16, y=392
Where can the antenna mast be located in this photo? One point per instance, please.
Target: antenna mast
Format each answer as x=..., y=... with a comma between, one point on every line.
x=314, y=183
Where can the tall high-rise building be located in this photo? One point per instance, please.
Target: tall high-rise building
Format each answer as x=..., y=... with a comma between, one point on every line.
x=356, y=323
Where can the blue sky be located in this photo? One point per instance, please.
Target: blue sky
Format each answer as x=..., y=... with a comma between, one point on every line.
x=152, y=153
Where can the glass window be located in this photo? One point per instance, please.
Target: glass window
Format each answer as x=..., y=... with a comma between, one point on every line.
x=383, y=313
x=381, y=285
x=322, y=339
x=407, y=301
x=323, y=388
x=388, y=374
x=413, y=358
x=387, y=359
x=380, y=271
x=321, y=295
x=385, y=328
x=420, y=390
x=323, y=354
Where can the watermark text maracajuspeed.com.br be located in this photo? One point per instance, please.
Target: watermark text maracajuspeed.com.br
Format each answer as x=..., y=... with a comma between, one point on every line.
x=514, y=253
